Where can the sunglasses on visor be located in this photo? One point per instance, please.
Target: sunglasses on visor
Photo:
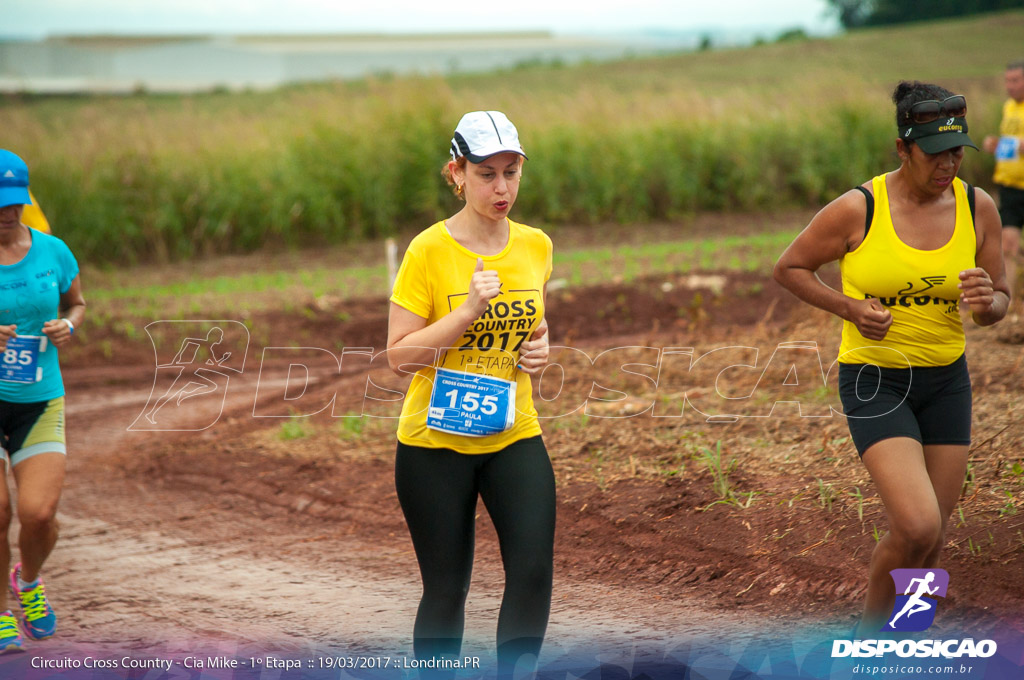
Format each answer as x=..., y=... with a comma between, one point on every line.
x=932, y=109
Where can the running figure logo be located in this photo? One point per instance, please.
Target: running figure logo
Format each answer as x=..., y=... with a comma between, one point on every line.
x=914, y=609
x=190, y=386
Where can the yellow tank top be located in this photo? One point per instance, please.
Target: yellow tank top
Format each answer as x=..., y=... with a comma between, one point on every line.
x=432, y=281
x=919, y=287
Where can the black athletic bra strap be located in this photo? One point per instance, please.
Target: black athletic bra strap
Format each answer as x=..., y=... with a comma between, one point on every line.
x=871, y=207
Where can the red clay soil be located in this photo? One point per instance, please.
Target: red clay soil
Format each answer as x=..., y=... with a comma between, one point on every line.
x=638, y=509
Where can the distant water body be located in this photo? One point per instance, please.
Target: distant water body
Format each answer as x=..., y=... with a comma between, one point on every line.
x=197, y=63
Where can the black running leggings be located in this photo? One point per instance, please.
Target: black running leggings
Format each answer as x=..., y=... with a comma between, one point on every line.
x=437, y=489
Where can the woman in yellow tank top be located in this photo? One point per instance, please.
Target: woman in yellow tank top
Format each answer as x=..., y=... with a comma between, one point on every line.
x=914, y=247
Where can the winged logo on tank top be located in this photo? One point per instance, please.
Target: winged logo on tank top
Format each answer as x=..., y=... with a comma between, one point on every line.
x=929, y=283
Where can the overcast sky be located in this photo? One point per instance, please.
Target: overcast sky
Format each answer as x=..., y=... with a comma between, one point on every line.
x=37, y=18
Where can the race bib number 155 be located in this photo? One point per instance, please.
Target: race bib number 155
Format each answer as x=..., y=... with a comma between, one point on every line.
x=470, y=404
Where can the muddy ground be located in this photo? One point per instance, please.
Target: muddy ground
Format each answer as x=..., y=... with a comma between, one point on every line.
x=225, y=527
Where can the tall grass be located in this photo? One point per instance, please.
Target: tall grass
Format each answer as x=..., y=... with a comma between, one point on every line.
x=164, y=178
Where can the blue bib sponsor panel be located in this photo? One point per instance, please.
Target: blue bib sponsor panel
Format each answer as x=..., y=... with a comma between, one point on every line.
x=1008, y=149
x=30, y=293
x=20, y=362
x=470, y=404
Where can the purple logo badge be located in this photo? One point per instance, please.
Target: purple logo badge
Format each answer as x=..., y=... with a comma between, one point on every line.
x=916, y=590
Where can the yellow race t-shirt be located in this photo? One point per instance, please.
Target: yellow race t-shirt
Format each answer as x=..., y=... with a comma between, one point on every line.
x=432, y=282
x=1010, y=153
x=919, y=288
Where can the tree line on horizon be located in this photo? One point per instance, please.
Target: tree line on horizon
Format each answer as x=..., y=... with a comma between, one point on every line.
x=863, y=13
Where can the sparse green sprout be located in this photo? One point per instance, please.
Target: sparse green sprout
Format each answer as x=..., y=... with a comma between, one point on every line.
x=720, y=478
x=351, y=426
x=294, y=428
x=859, y=498
x=826, y=495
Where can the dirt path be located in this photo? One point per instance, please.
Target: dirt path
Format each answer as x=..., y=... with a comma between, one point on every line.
x=164, y=590
x=142, y=568
x=231, y=540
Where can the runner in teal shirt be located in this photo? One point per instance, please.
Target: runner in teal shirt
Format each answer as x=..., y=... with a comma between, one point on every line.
x=41, y=303
x=30, y=292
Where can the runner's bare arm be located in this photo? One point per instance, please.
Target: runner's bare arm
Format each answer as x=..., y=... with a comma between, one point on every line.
x=6, y=333
x=72, y=308
x=533, y=353
x=986, y=291
x=412, y=341
x=836, y=230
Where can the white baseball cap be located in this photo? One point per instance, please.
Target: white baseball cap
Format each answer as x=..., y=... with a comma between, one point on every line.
x=481, y=134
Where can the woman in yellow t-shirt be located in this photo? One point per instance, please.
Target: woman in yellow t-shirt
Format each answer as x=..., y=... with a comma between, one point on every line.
x=924, y=246
x=467, y=315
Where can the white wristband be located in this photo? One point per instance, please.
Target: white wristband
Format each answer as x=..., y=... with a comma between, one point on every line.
x=71, y=326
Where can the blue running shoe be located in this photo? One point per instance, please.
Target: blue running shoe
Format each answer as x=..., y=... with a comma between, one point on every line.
x=38, y=620
x=10, y=638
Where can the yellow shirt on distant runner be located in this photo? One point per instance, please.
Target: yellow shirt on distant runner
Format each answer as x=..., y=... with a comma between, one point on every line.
x=1010, y=154
x=919, y=288
x=33, y=216
x=433, y=281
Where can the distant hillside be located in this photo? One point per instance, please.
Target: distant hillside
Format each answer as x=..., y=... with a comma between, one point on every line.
x=195, y=63
x=637, y=140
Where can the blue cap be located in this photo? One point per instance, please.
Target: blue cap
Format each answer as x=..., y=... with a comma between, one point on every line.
x=13, y=180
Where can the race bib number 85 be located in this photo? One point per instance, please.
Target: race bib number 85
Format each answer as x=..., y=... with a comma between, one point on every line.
x=470, y=404
x=20, y=361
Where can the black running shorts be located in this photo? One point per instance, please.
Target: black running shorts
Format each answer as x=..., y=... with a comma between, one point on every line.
x=1011, y=206
x=931, y=404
